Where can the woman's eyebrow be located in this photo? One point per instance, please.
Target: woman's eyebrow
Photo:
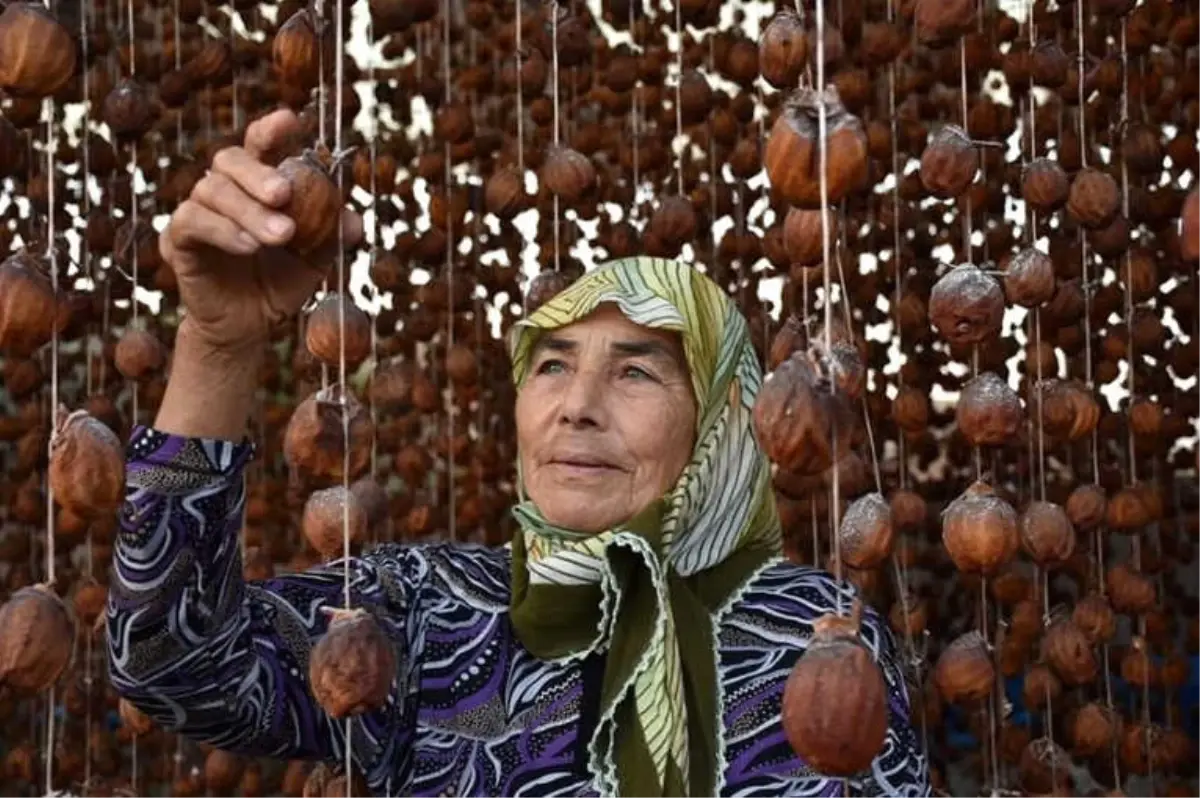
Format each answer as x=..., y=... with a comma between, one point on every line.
x=650, y=347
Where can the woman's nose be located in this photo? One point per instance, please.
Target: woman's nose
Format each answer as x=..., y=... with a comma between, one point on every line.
x=582, y=402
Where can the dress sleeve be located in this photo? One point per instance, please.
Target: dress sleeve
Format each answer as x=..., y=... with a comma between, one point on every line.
x=223, y=661
x=901, y=768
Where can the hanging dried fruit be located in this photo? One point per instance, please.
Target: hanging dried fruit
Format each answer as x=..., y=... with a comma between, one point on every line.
x=36, y=639
x=792, y=157
x=139, y=355
x=783, y=50
x=568, y=174
x=988, y=412
x=37, y=54
x=315, y=203
x=979, y=530
x=314, y=443
x=964, y=671
x=795, y=417
x=1044, y=185
x=1094, y=199
x=332, y=516
x=1069, y=652
x=949, y=162
x=324, y=326
x=966, y=306
x=835, y=709
x=351, y=668
x=1029, y=278
x=865, y=535
x=1046, y=534
x=27, y=305
x=87, y=465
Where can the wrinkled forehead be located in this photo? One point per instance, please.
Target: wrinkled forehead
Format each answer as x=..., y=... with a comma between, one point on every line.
x=617, y=332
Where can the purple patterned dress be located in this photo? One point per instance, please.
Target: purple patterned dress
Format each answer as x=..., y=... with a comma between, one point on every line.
x=223, y=661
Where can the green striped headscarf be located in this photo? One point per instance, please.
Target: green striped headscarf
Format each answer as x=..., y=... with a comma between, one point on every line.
x=675, y=566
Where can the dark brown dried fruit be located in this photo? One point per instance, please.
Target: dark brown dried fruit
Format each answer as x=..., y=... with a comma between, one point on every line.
x=1086, y=507
x=835, y=708
x=966, y=306
x=1046, y=534
x=314, y=443
x=1069, y=652
x=139, y=355
x=330, y=517
x=794, y=418
x=964, y=671
x=792, y=157
x=37, y=635
x=351, y=668
x=27, y=305
x=315, y=203
x=1094, y=199
x=324, y=327
x=1044, y=185
x=865, y=535
x=783, y=50
x=87, y=465
x=949, y=162
x=567, y=174
x=37, y=53
x=1029, y=278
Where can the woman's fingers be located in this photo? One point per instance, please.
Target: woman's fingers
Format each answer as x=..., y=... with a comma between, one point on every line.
x=194, y=226
x=219, y=193
x=271, y=133
x=260, y=181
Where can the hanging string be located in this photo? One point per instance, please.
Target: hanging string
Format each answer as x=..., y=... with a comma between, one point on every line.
x=679, y=93
x=520, y=107
x=554, y=99
x=822, y=167
x=634, y=120
x=450, y=405
x=52, y=256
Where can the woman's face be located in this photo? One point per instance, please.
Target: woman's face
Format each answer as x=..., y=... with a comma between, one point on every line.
x=605, y=420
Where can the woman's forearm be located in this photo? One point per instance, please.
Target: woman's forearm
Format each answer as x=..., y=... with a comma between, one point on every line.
x=210, y=393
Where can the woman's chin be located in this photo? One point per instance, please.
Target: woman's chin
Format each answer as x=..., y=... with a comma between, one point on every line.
x=586, y=517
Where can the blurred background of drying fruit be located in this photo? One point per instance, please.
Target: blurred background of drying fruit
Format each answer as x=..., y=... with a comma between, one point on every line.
x=983, y=351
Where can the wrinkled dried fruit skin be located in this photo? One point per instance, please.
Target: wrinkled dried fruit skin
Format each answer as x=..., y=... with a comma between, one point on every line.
x=792, y=157
x=296, y=50
x=1047, y=534
x=794, y=418
x=988, y=412
x=1095, y=618
x=568, y=174
x=329, y=516
x=352, y=666
x=949, y=163
x=36, y=638
x=1093, y=728
x=37, y=54
x=1029, y=278
x=964, y=671
x=783, y=50
x=315, y=204
x=1086, y=507
x=87, y=466
x=1094, y=199
x=139, y=355
x=504, y=193
x=866, y=532
x=966, y=306
x=314, y=444
x=323, y=331
x=1045, y=768
x=835, y=706
x=1069, y=652
x=979, y=530
x=941, y=22
x=27, y=306
x=1044, y=185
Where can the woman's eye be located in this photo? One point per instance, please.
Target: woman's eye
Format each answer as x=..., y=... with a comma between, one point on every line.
x=550, y=367
x=637, y=373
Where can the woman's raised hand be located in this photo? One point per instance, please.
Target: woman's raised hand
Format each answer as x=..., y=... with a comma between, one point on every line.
x=228, y=244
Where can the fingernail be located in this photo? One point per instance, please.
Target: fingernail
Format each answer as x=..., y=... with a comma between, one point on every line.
x=247, y=242
x=279, y=225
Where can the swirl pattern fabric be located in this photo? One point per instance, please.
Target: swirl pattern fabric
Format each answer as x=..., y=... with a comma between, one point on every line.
x=471, y=712
x=722, y=503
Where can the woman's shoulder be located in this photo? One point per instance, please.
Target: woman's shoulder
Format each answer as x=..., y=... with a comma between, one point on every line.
x=469, y=572
x=789, y=597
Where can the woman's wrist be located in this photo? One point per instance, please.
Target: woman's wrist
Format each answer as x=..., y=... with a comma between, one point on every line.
x=211, y=391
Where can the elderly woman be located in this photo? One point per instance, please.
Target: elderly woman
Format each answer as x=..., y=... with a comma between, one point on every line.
x=634, y=639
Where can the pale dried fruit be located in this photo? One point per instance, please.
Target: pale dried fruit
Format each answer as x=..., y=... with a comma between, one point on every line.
x=139, y=355
x=988, y=412
x=330, y=516
x=865, y=536
x=835, y=706
x=351, y=668
x=36, y=638
x=87, y=465
x=1029, y=278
